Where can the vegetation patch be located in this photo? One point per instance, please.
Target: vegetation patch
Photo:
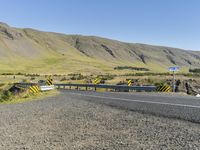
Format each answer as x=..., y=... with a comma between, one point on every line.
x=21, y=74
x=7, y=73
x=106, y=77
x=131, y=68
x=2, y=84
x=18, y=95
x=77, y=76
x=63, y=79
x=197, y=70
x=146, y=74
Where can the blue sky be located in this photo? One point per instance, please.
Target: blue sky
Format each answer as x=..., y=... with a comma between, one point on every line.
x=173, y=23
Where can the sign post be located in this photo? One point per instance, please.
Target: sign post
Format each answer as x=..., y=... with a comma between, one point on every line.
x=174, y=82
x=174, y=69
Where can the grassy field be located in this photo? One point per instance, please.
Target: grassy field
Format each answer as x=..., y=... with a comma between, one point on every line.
x=139, y=78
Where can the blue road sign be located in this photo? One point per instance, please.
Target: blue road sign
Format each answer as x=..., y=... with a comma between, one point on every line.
x=174, y=68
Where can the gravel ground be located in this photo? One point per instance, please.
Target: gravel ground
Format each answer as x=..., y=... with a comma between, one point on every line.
x=63, y=122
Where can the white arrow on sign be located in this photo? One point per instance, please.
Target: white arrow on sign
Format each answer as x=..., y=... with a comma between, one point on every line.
x=174, y=68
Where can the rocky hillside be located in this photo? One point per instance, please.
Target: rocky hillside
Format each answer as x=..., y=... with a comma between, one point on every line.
x=28, y=50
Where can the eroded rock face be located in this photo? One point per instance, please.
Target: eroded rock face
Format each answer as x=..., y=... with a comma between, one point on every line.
x=8, y=32
x=180, y=86
x=191, y=87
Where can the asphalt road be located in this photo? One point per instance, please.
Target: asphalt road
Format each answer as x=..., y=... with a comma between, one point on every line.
x=78, y=120
x=175, y=106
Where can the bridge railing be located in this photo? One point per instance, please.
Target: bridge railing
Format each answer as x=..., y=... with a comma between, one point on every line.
x=95, y=86
x=107, y=86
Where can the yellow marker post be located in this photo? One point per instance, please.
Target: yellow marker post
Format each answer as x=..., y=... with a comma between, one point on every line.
x=164, y=88
x=34, y=89
x=129, y=82
x=49, y=81
x=97, y=81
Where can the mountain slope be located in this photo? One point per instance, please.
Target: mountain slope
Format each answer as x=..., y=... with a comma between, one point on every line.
x=32, y=51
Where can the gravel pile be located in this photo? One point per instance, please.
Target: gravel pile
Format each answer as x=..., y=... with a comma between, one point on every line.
x=62, y=122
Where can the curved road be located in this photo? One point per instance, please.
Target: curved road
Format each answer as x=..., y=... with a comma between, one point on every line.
x=176, y=106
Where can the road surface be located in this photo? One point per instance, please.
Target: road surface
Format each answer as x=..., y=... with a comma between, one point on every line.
x=176, y=106
x=78, y=120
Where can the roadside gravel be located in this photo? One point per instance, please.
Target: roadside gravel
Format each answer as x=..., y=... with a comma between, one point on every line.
x=64, y=122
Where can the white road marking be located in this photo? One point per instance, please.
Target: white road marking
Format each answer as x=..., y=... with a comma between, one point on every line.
x=198, y=95
x=139, y=101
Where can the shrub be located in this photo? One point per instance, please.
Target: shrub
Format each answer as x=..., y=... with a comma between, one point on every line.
x=19, y=73
x=151, y=81
x=146, y=74
x=32, y=75
x=76, y=76
x=131, y=68
x=6, y=95
x=32, y=78
x=63, y=79
x=2, y=84
x=106, y=77
x=7, y=74
x=197, y=70
x=57, y=75
x=24, y=80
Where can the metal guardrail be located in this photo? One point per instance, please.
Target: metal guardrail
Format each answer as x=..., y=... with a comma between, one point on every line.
x=41, y=87
x=95, y=86
x=46, y=88
x=107, y=86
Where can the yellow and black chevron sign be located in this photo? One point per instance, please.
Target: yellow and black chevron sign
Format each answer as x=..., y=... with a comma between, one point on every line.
x=130, y=82
x=164, y=88
x=97, y=81
x=34, y=89
x=49, y=81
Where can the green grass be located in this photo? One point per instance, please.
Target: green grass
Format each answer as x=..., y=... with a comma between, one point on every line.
x=27, y=97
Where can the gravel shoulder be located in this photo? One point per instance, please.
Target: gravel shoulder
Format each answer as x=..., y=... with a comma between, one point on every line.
x=64, y=122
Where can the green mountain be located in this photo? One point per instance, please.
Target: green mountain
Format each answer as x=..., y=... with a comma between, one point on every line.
x=32, y=51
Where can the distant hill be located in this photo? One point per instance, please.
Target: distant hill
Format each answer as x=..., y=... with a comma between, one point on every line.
x=32, y=51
